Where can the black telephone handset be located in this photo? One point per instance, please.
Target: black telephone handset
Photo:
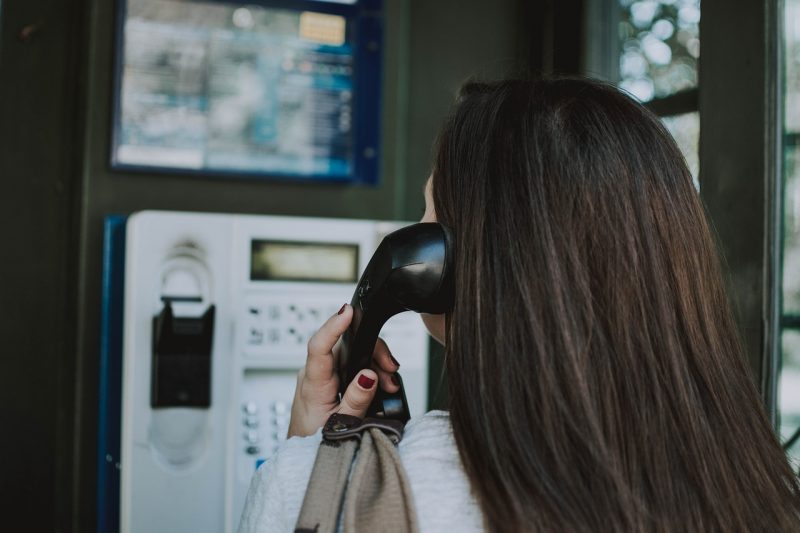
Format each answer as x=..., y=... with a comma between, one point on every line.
x=412, y=270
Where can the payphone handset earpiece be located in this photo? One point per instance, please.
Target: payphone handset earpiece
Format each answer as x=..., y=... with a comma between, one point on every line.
x=412, y=270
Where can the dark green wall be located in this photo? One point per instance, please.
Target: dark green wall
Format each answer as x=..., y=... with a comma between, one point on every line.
x=740, y=168
x=39, y=160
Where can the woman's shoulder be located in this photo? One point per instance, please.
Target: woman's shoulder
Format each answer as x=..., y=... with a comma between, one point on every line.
x=440, y=487
x=431, y=429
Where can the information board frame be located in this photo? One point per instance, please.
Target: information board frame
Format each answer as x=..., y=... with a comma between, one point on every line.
x=364, y=22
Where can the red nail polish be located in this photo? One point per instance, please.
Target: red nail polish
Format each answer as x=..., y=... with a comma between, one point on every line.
x=342, y=309
x=365, y=381
x=394, y=361
x=394, y=379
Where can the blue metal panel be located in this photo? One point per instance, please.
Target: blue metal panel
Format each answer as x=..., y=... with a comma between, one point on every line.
x=369, y=77
x=110, y=386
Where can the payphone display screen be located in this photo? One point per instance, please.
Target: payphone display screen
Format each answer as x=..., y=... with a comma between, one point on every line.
x=223, y=87
x=303, y=261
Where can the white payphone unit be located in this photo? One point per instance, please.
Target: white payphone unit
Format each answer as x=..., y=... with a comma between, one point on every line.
x=218, y=310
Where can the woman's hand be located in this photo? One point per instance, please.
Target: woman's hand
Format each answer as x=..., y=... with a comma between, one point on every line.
x=316, y=395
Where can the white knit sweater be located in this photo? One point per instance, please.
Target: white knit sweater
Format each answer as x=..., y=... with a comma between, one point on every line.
x=441, y=490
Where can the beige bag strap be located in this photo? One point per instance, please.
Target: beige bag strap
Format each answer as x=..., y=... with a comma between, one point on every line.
x=378, y=496
x=323, y=499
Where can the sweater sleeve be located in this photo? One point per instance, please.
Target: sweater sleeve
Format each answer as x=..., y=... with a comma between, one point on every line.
x=278, y=487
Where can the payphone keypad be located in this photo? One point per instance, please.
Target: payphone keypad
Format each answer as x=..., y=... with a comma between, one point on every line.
x=282, y=328
x=262, y=432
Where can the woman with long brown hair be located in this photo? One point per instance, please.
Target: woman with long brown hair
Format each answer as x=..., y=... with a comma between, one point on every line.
x=596, y=380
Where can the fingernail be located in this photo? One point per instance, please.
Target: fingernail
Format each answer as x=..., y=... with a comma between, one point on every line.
x=394, y=379
x=365, y=382
x=394, y=361
x=342, y=309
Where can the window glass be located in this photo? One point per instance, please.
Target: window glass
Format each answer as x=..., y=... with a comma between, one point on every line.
x=659, y=46
x=789, y=384
x=791, y=167
x=791, y=229
x=789, y=391
x=685, y=129
x=792, y=68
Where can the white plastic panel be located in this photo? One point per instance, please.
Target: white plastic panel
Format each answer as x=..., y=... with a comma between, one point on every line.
x=189, y=469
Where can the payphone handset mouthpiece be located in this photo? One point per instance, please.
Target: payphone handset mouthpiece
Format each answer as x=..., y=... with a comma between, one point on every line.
x=412, y=270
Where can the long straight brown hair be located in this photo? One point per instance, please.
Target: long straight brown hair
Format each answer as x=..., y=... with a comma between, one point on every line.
x=596, y=380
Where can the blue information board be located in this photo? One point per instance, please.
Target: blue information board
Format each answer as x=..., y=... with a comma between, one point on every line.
x=282, y=89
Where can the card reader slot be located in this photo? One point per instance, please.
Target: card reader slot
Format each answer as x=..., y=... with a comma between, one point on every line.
x=181, y=299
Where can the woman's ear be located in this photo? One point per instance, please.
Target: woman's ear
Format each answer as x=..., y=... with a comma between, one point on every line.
x=436, y=326
x=430, y=214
